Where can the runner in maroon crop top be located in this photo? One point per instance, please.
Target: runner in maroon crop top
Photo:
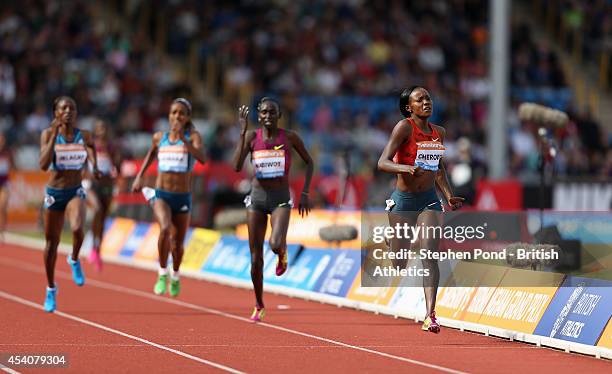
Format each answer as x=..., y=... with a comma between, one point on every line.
x=270, y=148
x=414, y=152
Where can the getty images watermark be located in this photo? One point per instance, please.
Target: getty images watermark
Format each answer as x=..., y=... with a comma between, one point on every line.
x=409, y=248
x=405, y=234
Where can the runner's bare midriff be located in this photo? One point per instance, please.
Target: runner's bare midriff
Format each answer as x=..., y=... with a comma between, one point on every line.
x=272, y=183
x=65, y=178
x=410, y=183
x=174, y=182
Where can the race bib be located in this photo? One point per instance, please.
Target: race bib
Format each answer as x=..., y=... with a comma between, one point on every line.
x=429, y=154
x=173, y=158
x=269, y=163
x=70, y=156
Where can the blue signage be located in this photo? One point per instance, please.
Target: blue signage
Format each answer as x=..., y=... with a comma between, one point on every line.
x=134, y=240
x=340, y=275
x=304, y=271
x=579, y=311
x=230, y=257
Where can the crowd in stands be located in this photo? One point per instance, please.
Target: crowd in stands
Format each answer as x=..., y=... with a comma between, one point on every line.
x=591, y=19
x=337, y=67
x=52, y=48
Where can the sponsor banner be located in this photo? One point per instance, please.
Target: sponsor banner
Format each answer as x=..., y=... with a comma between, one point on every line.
x=134, y=241
x=26, y=194
x=116, y=236
x=582, y=196
x=606, y=338
x=374, y=295
x=499, y=195
x=199, y=248
x=579, y=312
x=409, y=301
x=230, y=257
x=520, y=308
x=306, y=230
x=467, y=301
x=339, y=276
x=304, y=270
x=148, y=248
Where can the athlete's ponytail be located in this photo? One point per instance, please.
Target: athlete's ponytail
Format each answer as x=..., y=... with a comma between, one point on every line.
x=181, y=100
x=404, y=100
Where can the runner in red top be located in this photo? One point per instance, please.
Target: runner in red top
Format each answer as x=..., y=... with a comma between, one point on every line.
x=270, y=148
x=414, y=152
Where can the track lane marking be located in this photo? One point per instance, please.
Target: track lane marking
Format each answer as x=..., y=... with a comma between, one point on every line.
x=29, y=303
x=117, y=288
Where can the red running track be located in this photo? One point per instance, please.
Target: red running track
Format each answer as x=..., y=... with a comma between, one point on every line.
x=116, y=324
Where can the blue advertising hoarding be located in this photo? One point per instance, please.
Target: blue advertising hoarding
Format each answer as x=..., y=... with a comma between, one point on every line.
x=579, y=311
x=304, y=271
x=134, y=240
x=230, y=257
x=339, y=276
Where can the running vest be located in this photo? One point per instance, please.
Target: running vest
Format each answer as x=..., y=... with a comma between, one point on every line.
x=5, y=165
x=69, y=156
x=270, y=160
x=174, y=157
x=424, y=150
x=105, y=161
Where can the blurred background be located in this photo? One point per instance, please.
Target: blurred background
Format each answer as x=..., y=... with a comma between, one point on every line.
x=337, y=67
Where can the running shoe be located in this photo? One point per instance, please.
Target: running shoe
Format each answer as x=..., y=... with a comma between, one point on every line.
x=95, y=259
x=258, y=314
x=282, y=263
x=77, y=271
x=50, y=300
x=160, y=285
x=431, y=324
x=175, y=287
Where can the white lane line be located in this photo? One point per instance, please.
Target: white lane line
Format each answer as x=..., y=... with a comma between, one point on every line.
x=113, y=287
x=20, y=300
x=325, y=346
x=8, y=369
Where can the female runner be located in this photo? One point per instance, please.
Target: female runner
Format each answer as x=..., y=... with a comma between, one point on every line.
x=64, y=149
x=176, y=151
x=270, y=148
x=414, y=152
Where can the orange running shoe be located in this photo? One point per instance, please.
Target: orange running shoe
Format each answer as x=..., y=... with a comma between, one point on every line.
x=431, y=324
x=282, y=263
x=258, y=314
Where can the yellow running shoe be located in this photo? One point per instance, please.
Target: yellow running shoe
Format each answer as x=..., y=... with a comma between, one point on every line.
x=258, y=314
x=431, y=324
